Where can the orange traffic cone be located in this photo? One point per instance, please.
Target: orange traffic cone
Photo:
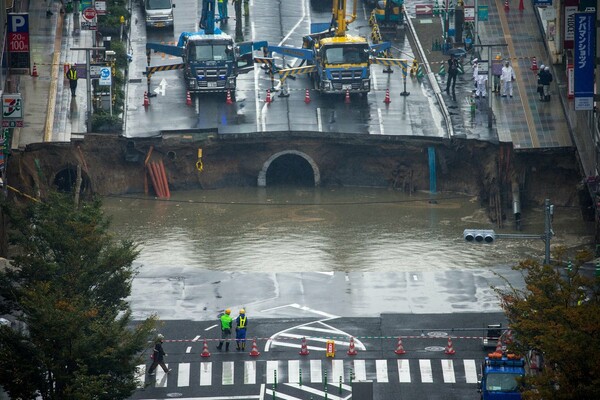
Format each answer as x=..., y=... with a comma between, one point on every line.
x=205, y=352
x=188, y=99
x=387, y=99
x=304, y=348
x=229, y=99
x=254, y=352
x=34, y=73
x=307, y=97
x=399, y=348
x=347, y=98
x=509, y=337
x=506, y=6
x=268, y=99
x=449, y=348
x=146, y=100
x=352, y=350
x=534, y=66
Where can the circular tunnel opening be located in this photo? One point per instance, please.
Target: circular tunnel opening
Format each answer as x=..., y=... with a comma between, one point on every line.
x=66, y=179
x=290, y=169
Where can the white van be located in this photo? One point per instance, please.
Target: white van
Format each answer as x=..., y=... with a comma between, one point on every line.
x=159, y=13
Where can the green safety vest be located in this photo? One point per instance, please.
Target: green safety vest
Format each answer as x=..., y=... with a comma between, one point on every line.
x=226, y=322
x=242, y=323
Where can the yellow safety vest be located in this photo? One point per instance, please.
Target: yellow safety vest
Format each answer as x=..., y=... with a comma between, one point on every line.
x=242, y=323
x=72, y=74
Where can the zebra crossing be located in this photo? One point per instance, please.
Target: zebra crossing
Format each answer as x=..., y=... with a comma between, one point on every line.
x=252, y=372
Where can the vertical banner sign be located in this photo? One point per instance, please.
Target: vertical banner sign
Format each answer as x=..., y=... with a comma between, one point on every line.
x=18, y=40
x=585, y=48
x=569, y=26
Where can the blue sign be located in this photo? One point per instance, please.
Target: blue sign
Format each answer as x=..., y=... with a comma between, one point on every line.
x=482, y=13
x=18, y=23
x=542, y=2
x=585, y=34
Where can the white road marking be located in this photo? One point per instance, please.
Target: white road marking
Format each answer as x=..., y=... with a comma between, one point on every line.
x=415, y=278
x=140, y=376
x=382, y=371
x=205, y=373
x=404, y=371
x=188, y=350
x=470, y=371
x=316, y=372
x=281, y=396
x=448, y=371
x=227, y=377
x=360, y=370
x=307, y=389
x=426, y=374
x=210, y=327
x=248, y=397
x=198, y=337
x=319, y=120
x=249, y=372
x=294, y=371
x=295, y=345
x=183, y=374
x=337, y=370
x=380, y=118
x=271, y=370
x=161, y=377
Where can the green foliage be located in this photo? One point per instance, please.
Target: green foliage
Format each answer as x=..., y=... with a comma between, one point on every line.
x=120, y=53
x=68, y=285
x=104, y=122
x=558, y=315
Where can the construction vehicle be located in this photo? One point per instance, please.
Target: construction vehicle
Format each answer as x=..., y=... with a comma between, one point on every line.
x=500, y=376
x=211, y=61
x=389, y=14
x=493, y=333
x=336, y=61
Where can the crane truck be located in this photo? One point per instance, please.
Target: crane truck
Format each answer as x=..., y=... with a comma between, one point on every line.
x=211, y=61
x=500, y=377
x=336, y=61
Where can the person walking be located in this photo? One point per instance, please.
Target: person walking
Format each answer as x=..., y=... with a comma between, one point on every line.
x=72, y=77
x=452, y=73
x=540, y=86
x=546, y=80
x=241, y=322
x=481, y=86
x=507, y=78
x=158, y=356
x=222, y=6
x=226, y=321
x=475, y=72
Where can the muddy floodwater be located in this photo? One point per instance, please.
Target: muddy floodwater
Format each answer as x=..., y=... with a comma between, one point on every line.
x=290, y=229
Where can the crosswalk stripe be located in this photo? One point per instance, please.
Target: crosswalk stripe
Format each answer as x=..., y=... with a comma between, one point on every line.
x=337, y=370
x=249, y=372
x=448, y=371
x=271, y=370
x=227, y=377
x=183, y=375
x=316, y=371
x=205, y=373
x=470, y=371
x=140, y=376
x=404, y=371
x=426, y=373
x=294, y=371
x=311, y=390
x=360, y=370
x=161, y=377
x=382, y=371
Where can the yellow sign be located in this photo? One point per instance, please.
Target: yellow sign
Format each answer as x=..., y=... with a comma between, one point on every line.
x=330, y=349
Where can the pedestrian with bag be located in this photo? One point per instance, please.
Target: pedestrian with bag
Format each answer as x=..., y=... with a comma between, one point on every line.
x=158, y=356
x=226, y=322
x=241, y=322
x=507, y=78
x=72, y=77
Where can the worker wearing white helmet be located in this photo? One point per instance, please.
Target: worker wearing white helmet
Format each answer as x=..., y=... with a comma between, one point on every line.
x=158, y=356
x=226, y=322
x=241, y=322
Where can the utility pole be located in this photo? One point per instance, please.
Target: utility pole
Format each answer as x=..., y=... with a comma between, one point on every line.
x=89, y=82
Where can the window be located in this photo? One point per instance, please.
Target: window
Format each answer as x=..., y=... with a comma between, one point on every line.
x=158, y=4
x=346, y=55
x=500, y=382
x=217, y=52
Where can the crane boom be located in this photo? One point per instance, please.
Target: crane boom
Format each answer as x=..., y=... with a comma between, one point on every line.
x=339, y=16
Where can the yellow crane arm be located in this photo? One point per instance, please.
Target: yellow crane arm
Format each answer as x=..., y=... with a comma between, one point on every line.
x=339, y=16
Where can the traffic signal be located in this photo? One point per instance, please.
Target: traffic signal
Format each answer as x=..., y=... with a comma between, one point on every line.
x=479, y=235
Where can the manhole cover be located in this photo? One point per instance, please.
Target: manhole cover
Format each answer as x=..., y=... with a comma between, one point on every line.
x=435, y=348
x=174, y=394
x=437, y=334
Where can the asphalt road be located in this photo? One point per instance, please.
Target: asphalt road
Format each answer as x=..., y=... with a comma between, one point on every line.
x=282, y=23
x=425, y=371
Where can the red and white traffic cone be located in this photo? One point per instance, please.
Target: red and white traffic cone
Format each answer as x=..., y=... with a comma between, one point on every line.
x=399, y=348
x=506, y=6
x=521, y=6
x=307, y=96
x=205, y=352
x=449, y=348
x=387, y=99
x=499, y=346
x=188, y=98
x=534, y=66
x=34, y=73
x=146, y=100
x=229, y=99
x=268, y=99
x=347, y=98
x=352, y=349
x=304, y=348
x=254, y=352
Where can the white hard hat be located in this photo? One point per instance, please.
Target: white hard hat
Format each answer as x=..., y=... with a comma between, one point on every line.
x=547, y=69
x=542, y=66
x=160, y=336
x=475, y=61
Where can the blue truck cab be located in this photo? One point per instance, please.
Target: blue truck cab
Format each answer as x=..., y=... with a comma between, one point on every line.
x=500, y=377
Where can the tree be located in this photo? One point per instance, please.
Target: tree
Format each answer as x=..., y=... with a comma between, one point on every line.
x=557, y=314
x=67, y=285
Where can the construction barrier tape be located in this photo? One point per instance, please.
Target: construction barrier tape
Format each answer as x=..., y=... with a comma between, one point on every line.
x=346, y=338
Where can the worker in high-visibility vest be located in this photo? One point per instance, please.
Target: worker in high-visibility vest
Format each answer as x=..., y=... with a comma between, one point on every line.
x=226, y=321
x=72, y=77
x=222, y=6
x=241, y=322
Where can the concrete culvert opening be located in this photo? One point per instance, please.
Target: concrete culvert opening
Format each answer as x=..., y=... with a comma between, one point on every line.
x=289, y=168
x=66, y=179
